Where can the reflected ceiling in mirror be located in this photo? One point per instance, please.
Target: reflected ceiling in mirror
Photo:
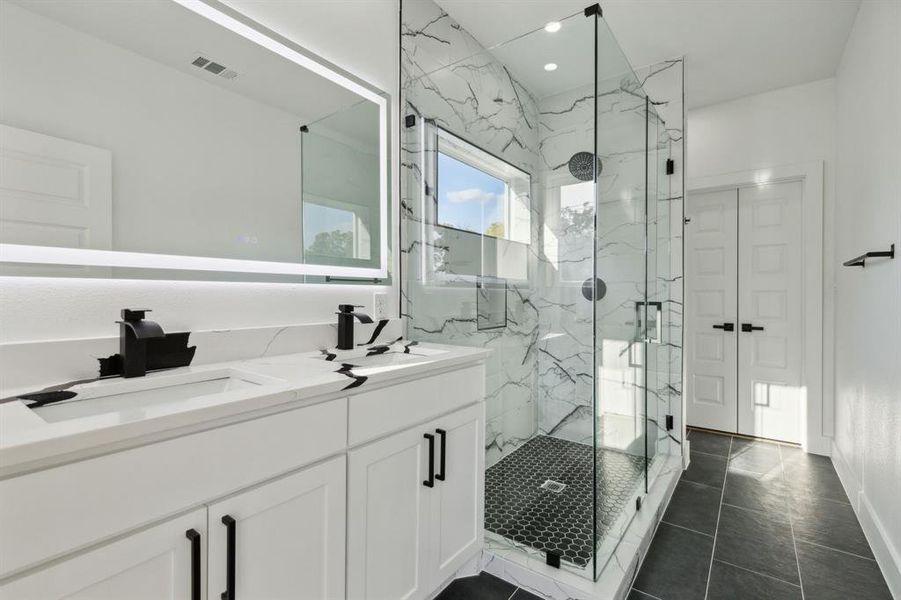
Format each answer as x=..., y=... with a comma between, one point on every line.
x=177, y=134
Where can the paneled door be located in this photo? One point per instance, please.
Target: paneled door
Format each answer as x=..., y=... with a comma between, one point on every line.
x=744, y=330
x=711, y=303
x=283, y=539
x=770, y=398
x=457, y=510
x=163, y=562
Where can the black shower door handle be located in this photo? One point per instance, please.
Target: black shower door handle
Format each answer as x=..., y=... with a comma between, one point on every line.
x=725, y=326
x=430, y=482
x=443, y=449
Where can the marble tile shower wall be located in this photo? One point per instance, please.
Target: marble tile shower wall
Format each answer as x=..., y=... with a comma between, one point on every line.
x=449, y=79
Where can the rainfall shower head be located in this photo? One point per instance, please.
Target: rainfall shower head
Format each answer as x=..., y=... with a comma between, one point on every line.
x=581, y=166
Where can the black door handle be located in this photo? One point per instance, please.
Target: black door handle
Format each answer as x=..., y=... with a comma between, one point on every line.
x=231, y=536
x=441, y=464
x=194, y=536
x=747, y=327
x=430, y=482
x=725, y=326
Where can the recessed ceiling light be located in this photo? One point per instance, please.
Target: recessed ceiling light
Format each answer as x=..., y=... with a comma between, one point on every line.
x=550, y=67
x=552, y=27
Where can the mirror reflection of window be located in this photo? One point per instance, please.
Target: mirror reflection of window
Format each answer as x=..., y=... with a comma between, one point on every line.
x=335, y=231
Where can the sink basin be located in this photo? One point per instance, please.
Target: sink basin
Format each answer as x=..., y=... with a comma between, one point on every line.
x=395, y=356
x=383, y=360
x=133, y=398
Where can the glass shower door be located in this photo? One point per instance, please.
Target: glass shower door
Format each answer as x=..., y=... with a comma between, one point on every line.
x=624, y=316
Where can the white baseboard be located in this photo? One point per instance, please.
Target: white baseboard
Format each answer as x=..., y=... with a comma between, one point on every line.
x=887, y=555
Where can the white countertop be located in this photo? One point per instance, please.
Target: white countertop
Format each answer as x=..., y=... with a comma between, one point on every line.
x=28, y=441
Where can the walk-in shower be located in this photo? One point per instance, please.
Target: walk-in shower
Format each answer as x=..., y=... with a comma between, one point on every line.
x=541, y=218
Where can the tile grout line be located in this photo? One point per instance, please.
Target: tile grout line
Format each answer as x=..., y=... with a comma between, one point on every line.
x=791, y=524
x=686, y=528
x=845, y=552
x=718, y=513
x=774, y=578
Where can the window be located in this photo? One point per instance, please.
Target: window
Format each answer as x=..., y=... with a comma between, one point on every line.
x=479, y=192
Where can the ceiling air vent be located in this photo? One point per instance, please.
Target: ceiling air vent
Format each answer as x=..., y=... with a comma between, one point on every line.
x=202, y=62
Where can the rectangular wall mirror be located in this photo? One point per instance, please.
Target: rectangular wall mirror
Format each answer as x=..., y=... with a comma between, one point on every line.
x=156, y=135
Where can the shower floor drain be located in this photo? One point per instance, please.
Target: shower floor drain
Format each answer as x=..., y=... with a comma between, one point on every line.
x=553, y=486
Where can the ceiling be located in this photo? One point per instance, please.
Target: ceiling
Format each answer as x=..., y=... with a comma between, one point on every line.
x=732, y=48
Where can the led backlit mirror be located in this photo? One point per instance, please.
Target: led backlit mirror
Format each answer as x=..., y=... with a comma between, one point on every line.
x=176, y=134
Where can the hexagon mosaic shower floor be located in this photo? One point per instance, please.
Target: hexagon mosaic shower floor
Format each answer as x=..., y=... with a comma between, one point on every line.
x=518, y=508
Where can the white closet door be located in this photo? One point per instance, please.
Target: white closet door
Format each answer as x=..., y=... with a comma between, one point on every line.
x=770, y=398
x=710, y=303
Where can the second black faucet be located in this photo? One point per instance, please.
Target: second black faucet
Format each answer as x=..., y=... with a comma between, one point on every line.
x=346, y=316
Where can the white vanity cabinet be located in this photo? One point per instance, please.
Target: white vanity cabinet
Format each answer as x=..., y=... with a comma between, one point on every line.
x=157, y=563
x=374, y=496
x=415, y=507
x=283, y=539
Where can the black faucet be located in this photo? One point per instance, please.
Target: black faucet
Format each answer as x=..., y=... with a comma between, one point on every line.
x=346, y=317
x=134, y=332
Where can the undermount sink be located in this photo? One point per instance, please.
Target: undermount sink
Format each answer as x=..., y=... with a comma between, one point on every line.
x=383, y=360
x=132, y=398
x=387, y=359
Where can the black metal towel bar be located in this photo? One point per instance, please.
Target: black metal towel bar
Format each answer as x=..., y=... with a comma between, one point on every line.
x=861, y=260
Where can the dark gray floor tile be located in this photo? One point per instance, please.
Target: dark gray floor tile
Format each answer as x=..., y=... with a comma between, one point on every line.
x=709, y=443
x=676, y=565
x=766, y=492
x=811, y=475
x=757, y=541
x=706, y=469
x=831, y=575
x=638, y=595
x=694, y=506
x=483, y=586
x=757, y=457
x=521, y=594
x=728, y=582
x=828, y=523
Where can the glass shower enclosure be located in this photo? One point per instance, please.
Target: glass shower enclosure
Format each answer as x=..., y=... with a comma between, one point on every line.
x=535, y=222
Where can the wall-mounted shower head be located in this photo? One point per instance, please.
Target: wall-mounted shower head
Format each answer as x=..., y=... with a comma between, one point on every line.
x=581, y=166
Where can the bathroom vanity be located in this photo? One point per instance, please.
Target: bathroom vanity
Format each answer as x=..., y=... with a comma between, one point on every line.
x=314, y=475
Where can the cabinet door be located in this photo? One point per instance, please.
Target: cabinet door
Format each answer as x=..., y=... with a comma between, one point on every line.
x=157, y=563
x=457, y=506
x=387, y=516
x=288, y=538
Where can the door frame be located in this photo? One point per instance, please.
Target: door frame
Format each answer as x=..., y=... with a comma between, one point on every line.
x=817, y=407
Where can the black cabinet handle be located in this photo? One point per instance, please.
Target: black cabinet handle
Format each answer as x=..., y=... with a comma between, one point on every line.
x=747, y=327
x=430, y=482
x=441, y=464
x=194, y=536
x=725, y=326
x=231, y=524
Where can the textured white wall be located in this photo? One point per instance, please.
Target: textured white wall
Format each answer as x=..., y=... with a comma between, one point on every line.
x=786, y=126
x=38, y=309
x=867, y=313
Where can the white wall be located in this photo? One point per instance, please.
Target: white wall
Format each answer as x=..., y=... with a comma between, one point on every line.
x=787, y=126
x=36, y=309
x=868, y=301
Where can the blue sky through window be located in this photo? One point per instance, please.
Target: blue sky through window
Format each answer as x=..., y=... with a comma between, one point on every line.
x=467, y=197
